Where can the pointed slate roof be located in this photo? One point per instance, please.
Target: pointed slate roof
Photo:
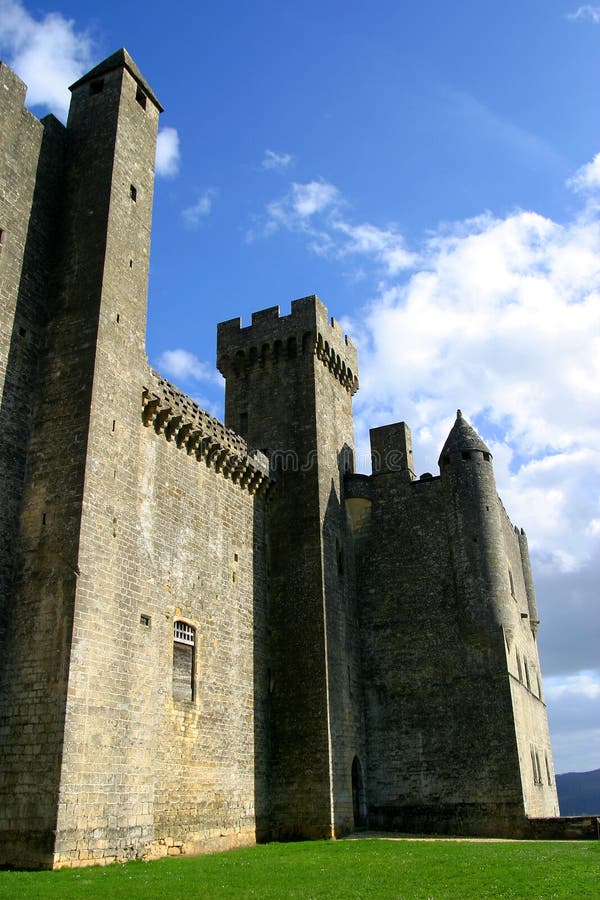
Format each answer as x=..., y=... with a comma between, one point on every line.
x=462, y=437
x=119, y=60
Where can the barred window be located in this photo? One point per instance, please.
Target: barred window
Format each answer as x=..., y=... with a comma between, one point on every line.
x=184, y=640
x=183, y=633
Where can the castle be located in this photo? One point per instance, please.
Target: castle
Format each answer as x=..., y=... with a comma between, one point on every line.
x=215, y=633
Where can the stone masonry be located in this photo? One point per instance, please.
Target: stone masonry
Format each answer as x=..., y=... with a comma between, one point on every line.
x=216, y=633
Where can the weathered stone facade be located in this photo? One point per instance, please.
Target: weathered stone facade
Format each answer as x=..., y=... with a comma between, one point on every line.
x=216, y=633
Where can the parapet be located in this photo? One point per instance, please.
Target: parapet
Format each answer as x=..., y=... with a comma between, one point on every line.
x=272, y=338
x=176, y=416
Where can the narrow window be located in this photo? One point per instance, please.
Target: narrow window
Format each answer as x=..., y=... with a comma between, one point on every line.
x=512, y=584
x=133, y=192
x=486, y=456
x=527, y=681
x=140, y=97
x=548, y=775
x=1, y=238
x=533, y=765
x=184, y=640
x=96, y=87
x=145, y=620
x=466, y=454
x=519, y=667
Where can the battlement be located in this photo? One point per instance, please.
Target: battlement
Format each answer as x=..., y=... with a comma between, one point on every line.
x=176, y=416
x=272, y=338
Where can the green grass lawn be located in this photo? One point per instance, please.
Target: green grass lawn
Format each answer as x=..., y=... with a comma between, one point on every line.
x=358, y=868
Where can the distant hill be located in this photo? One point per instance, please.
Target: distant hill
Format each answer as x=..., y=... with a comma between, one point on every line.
x=579, y=793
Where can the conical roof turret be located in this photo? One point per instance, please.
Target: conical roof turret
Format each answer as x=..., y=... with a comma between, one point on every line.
x=462, y=437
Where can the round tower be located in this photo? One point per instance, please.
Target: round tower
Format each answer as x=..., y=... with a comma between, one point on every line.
x=473, y=512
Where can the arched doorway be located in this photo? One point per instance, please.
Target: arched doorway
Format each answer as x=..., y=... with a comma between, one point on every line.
x=359, y=805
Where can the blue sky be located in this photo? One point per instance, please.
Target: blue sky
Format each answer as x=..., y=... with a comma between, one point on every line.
x=432, y=172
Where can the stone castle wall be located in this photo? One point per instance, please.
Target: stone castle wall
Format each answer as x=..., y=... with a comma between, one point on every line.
x=216, y=632
x=148, y=770
x=428, y=678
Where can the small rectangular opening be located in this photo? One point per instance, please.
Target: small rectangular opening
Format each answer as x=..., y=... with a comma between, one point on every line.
x=22, y=331
x=184, y=640
x=97, y=86
x=140, y=96
x=145, y=620
x=133, y=192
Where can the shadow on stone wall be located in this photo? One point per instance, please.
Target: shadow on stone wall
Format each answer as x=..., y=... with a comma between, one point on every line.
x=28, y=793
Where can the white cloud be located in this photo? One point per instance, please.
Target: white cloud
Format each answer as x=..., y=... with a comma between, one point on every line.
x=586, y=12
x=193, y=215
x=316, y=209
x=49, y=54
x=385, y=245
x=276, y=161
x=304, y=200
x=587, y=178
x=185, y=367
x=583, y=684
x=167, y=152
x=574, y=715
x=503, y=321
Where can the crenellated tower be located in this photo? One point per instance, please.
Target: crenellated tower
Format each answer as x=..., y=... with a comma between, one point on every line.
x=289, y=386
